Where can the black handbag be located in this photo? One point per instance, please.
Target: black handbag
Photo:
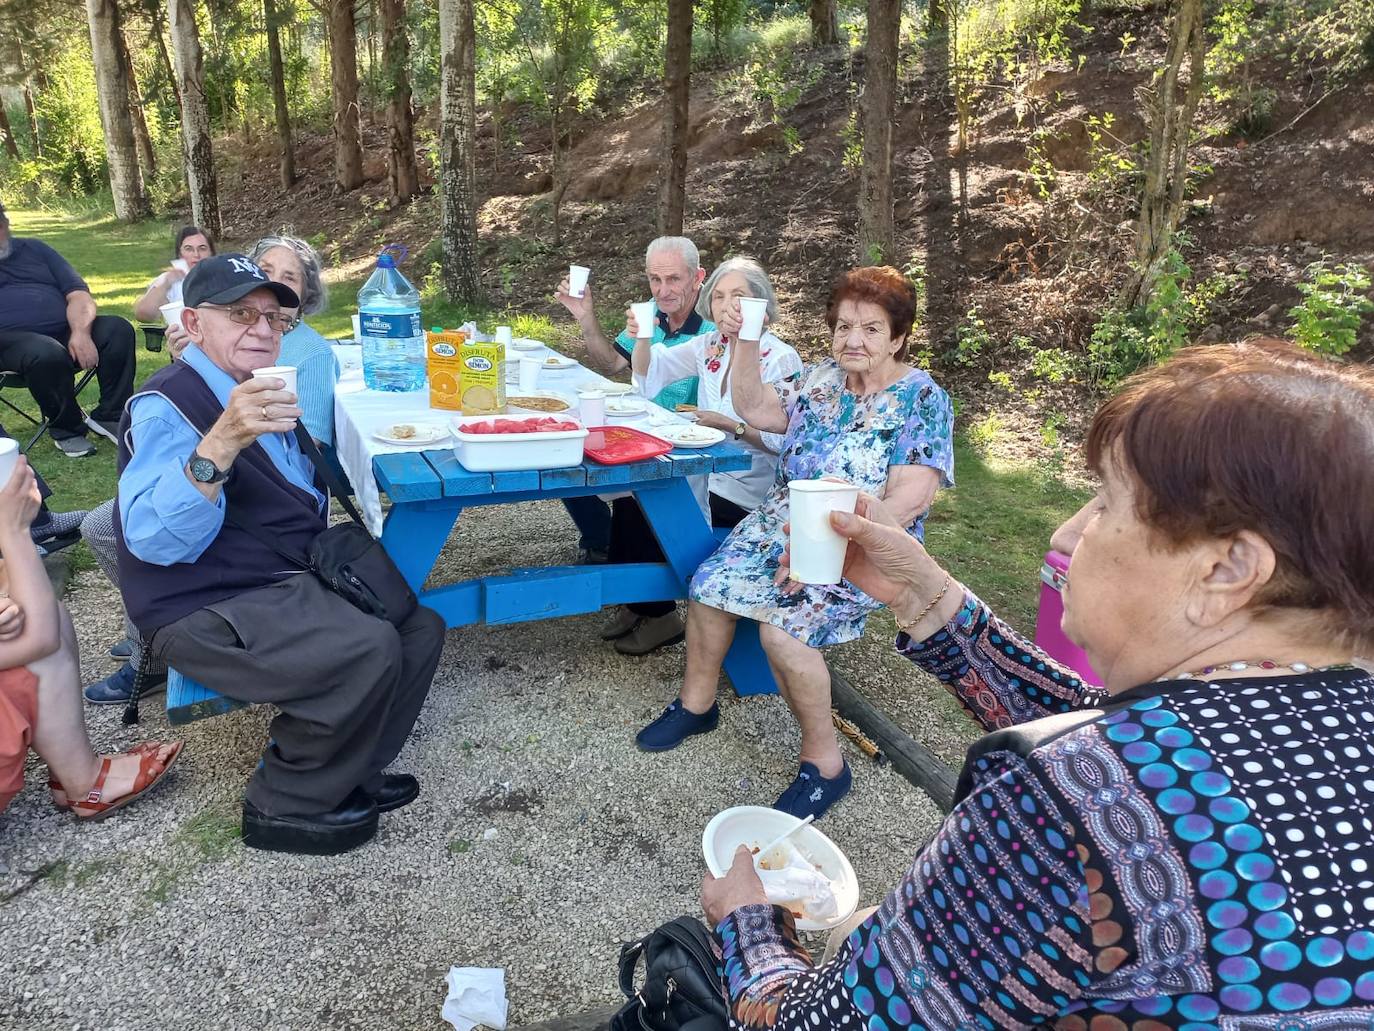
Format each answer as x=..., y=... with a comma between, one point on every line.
x=346, y=557
x=684, y=980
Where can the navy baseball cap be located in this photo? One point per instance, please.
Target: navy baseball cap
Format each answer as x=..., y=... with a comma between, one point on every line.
x=226, y=278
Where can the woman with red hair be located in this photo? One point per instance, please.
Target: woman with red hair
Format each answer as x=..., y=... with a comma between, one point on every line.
x=1189, y=846
x=864, y=416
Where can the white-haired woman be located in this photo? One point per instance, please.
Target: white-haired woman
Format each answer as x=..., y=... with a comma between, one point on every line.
x=292, y=261
x=640, y=628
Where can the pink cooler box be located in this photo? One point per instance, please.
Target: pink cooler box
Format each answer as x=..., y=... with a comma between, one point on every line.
x=1054, y=574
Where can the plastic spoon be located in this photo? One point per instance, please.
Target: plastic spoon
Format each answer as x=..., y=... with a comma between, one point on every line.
x=758, y=856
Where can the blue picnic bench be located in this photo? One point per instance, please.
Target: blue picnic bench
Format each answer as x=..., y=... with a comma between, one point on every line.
x=429, y=490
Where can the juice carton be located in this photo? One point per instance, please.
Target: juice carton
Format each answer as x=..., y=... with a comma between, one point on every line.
x=483, y=385
x=444, y=365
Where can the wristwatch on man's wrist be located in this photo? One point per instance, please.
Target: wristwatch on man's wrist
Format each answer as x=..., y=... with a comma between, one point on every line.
x=740, y=427
x=205, y=471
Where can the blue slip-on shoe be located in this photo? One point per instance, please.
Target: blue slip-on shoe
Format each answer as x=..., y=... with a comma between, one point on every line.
x=675, y=725
x=123, y=650
x=811, y=794
x=118, y=687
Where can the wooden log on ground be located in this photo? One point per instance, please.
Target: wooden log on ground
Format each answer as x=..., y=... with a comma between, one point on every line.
x=909, y=757
x=590, y=1020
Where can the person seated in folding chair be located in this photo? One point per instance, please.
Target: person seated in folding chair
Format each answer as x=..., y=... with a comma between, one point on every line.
x=49, y=330
x=216, y=490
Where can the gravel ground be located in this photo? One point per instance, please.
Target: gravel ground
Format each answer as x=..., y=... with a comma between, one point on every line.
x=541, y=840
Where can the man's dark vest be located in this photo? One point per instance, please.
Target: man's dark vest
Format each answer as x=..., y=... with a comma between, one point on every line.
x=235, y=561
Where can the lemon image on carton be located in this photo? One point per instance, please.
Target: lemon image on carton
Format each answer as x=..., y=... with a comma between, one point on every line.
x=482, y=385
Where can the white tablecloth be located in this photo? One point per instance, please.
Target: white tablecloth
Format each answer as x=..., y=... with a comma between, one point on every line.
x=359, y=413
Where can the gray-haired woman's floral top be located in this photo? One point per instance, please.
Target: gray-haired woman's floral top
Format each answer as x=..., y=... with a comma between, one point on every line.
x=831, y=432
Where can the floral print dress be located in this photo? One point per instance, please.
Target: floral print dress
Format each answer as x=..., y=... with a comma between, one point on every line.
x=831, y=431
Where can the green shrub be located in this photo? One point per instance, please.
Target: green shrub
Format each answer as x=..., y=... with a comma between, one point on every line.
x=1133, y=338
x=1334, y=301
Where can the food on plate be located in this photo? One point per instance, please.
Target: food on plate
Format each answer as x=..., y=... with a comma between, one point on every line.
x=540, y=424
x=538, y=404
x=693, y=434
x=624, y=405
x=401, y=431
x=553, y=360
x=792, y=881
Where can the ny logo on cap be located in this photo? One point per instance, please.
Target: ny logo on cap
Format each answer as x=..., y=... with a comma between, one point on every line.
x=240, y=265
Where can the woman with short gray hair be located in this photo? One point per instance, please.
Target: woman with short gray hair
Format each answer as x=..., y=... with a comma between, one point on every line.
x=292, y=261
x=646, y=626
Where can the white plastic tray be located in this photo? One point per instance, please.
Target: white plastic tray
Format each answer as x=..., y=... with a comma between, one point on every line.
x=500, y=452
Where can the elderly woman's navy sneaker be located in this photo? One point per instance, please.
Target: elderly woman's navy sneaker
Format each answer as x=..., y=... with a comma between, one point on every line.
x=675, y=725
x=811, y=794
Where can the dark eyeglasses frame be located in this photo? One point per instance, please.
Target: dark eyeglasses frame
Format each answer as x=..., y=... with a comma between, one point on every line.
x=247, y=315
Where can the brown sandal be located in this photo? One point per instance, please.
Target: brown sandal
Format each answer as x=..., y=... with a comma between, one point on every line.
x=93, y=806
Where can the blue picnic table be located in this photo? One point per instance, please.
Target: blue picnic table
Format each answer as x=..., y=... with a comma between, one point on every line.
x=429, y=490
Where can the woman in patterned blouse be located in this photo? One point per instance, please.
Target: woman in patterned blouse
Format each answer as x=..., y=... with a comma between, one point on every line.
x=1192, y=846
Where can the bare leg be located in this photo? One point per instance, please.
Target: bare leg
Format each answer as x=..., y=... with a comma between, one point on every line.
x=59, y=737
x=804, y=682
x=709, y=633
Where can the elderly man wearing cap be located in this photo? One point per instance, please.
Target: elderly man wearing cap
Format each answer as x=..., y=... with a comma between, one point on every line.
x=212, y=483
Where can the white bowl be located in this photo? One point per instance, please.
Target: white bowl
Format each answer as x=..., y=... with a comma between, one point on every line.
x=755, y=826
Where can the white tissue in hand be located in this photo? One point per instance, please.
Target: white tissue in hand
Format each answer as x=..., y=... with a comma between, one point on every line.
x=476, y=995
x=796, y=884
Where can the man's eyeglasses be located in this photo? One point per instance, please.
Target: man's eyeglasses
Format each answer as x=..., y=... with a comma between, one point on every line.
x=247, y=315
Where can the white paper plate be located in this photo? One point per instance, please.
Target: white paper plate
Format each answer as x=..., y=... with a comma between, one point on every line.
x=526, y=344
x=688, y=435
x=608, y=388
x=626, y=407
x=557, y=363
x=425, y=433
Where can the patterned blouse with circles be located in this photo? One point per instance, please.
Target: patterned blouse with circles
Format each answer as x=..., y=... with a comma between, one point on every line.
x=1185, y=855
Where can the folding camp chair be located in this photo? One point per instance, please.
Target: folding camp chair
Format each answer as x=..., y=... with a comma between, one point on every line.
x=14, y=379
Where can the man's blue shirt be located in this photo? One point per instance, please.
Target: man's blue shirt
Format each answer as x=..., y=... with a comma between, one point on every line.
x=34, y=283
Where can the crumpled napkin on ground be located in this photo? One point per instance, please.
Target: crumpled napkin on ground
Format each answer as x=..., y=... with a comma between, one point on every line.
x=476, y=995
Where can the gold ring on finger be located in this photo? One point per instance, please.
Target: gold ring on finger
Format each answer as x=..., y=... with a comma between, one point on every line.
x=264, y=412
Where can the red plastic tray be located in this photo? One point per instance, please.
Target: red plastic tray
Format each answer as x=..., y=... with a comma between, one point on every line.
x=616, y=445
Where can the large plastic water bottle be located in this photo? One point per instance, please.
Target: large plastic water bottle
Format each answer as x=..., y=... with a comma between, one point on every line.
x=393, y=340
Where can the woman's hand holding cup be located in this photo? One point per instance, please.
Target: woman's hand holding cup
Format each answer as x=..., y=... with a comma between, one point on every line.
x=882, y=560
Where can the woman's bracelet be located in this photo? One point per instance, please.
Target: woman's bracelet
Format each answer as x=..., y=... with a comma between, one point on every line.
x=944, y=589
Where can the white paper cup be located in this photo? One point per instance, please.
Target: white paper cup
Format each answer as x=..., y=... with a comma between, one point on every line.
x=358, y=328
x=577, y=280
x=503, y=336
x=591, y=404
x=9, y=458
x=752, y=310
x=645, y=313
x=181, y=265
x=817, y=550
x=529, y=374
x=171, y=312
x=286, y=373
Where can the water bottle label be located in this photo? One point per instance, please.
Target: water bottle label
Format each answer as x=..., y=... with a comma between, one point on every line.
x=402, y=326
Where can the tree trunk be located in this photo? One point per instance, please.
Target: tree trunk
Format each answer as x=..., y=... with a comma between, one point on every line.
x=559, y=175
x=876, y=232
x=1166, y=162
x=195, y=116
x=677, y=82
x=287, y=161
x=32, y=112
x=937, y=14
x=343, y=73
x=825, y=23
x=457, y=149
x=155, y=15
x=141, y=135
x=11, y=147
x=402, y=173
x=112, y=84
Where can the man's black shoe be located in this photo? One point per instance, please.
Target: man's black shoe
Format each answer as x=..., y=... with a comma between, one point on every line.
x=353, y=822
x=397, y=789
